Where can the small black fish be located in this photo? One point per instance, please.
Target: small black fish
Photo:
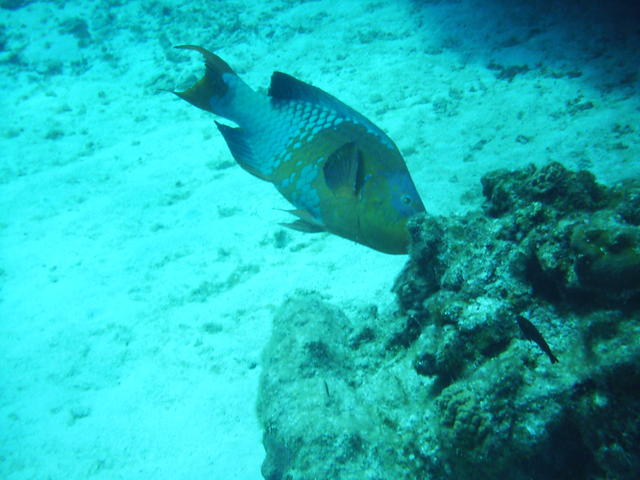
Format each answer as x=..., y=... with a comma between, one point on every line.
x=531, y=333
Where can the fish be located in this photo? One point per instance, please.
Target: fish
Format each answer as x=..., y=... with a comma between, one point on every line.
x=342, y=173
x=530, y=332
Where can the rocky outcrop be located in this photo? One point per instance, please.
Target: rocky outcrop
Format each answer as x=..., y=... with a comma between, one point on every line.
x=450, y=386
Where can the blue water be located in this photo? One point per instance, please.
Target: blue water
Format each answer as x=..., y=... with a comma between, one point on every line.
x=140, y=268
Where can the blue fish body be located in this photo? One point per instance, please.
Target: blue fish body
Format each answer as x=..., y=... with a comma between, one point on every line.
x=340, y=171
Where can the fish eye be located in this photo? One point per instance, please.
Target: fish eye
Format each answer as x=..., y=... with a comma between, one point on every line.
x=406, y=199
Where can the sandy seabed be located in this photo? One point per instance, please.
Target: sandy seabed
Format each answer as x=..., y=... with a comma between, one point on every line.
x=140, y=267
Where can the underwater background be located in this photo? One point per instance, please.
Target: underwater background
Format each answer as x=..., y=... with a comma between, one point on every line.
x=142, y=271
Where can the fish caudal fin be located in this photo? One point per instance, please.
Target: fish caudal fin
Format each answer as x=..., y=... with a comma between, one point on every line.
x=212, y=85
x=221, y=92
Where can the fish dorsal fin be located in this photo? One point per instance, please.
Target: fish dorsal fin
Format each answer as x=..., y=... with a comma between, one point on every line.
x=286, y=87
x=343, y=170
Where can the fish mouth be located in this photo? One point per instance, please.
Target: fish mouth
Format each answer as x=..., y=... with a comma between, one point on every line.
x=393, y=241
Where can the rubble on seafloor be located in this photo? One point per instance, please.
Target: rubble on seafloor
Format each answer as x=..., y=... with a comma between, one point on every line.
x=450, y=386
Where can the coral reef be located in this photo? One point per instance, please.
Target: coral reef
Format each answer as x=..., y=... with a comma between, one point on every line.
x=450, y=385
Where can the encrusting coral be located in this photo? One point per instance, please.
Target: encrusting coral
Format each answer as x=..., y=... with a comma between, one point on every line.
x=450, y=385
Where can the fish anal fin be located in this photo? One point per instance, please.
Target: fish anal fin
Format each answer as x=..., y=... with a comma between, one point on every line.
x=343, y=170
x=240, y=149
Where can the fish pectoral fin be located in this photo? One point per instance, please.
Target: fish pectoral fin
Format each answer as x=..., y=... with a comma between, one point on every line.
x=304, y=226
x=343, y=170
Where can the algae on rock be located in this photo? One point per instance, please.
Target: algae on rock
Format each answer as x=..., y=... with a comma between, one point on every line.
x=447, y=386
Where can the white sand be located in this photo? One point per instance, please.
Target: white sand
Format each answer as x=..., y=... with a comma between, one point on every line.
x=138, y=274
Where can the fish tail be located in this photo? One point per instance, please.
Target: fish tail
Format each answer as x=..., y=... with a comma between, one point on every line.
x=220, y=90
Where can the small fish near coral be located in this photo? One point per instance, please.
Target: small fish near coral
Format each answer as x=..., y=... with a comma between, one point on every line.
x=341, y=172
x=530, y=332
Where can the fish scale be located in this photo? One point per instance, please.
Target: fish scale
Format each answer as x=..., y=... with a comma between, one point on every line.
x=302, y=166
x=341, y=172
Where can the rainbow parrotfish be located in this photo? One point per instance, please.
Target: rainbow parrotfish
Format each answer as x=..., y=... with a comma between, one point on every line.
x=340, y=171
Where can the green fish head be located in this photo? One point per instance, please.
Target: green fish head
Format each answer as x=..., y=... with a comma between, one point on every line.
x=388, y=203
